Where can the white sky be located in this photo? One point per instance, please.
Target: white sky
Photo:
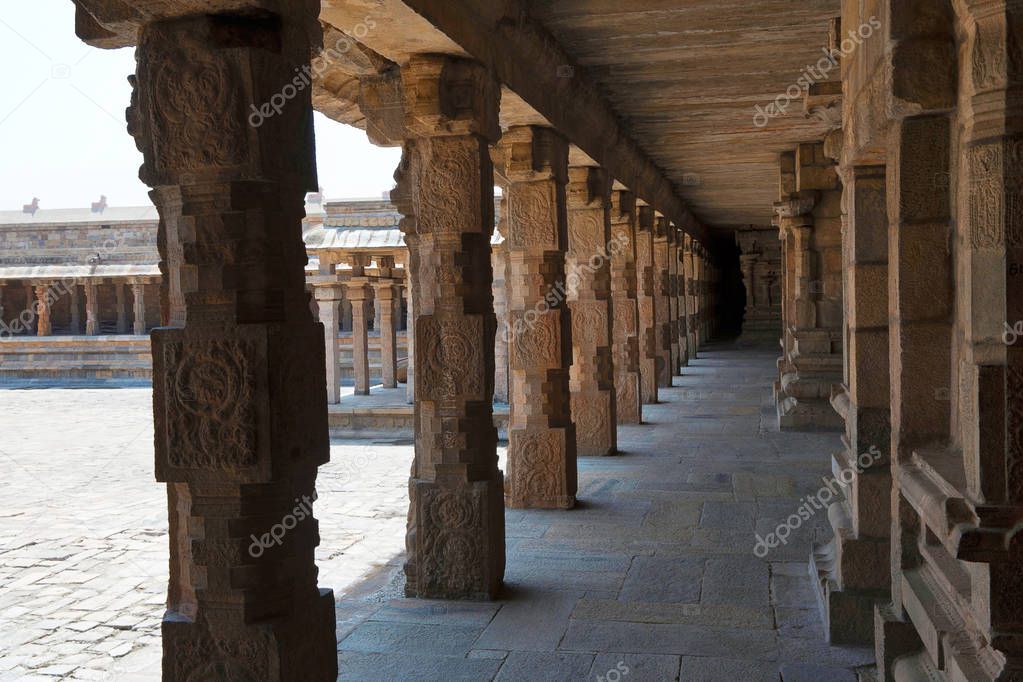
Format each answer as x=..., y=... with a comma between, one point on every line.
x=62, y=129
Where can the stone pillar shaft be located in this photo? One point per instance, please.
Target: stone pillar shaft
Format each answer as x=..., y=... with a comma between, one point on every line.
x=44, y=326
x=541, y=436
x=662, y=294
x=122, y=307
x=647, y=298
x=386, y=299
x=91, y=309
x=76, y=310
x=328, y=299
x=240, y=420
x=588, y=266
x=499, y=261
x=138, y=292
x=625, y=295
x=676, y=346
x=455, y=538
x=357, y=291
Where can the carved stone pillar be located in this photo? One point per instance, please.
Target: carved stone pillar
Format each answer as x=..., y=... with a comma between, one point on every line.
x=589, y=298
x=662, y=294
x=240, y=421
x=386, y=298
x=138, y=295
x=676, y=346
x=625, y=294
x=122, y=307
x=30, y=297
x=328, y=299
x=810, y=224
x=76, y=309
x=499, y=262
x=533, y=163
x=681, y=293
x=692, y=300
x=91, y=309
x=44, y=326
x=854, y=568
x=410, y=336
x=357, y=291
x=455, y=539
x=647, y=304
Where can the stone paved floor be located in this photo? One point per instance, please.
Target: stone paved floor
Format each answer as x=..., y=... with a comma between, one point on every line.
x=653, y=573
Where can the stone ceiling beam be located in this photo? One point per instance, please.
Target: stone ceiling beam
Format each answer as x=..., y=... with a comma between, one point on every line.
x=528, y=60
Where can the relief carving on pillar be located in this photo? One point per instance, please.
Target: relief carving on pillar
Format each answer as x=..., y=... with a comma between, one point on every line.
x=449, y=356
x=585, y=234
x=449, y=549
x=539, y=472
x=187, y=111
x=589, y=324
x=447, y=170
x=996, y=194
x=231, y=660
x=533, y=214
x=538, y=344
x=209, y=405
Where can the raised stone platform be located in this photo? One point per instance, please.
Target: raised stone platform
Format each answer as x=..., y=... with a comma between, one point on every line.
x=70, y=360
x=385, y=411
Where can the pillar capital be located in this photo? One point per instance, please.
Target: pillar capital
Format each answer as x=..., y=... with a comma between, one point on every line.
x=529, y=153
x=647, y=218
x=623, y=206
x=588, y=187
x=450, y=96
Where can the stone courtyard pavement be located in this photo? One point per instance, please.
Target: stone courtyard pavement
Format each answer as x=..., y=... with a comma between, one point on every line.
x=651, y=577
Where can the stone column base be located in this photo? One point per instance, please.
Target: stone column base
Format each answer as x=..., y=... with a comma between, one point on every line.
x=847, y=614
x=894, y=639
x=458, y=543
x=543, y=475
x=301, y=647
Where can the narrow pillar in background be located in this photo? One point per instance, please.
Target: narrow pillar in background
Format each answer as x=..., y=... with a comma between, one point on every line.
x=122, y=307
x=624, y=295
x=30, y=304
x=358, y=292
x=328, y=299
x=647, y=296
x=676, y=345
x=588, y=267
x=44, y=326
x=91, y=309
x=76, y=309
x=386, y=300
x=445, y=190
x=499, y=262
x=410, y=340
x=138, y=294
x=541, y=436
x=692, y=301
x=240, y=421
x=662, y=292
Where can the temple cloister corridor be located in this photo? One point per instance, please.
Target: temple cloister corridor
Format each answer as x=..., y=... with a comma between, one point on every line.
x=654, y=570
